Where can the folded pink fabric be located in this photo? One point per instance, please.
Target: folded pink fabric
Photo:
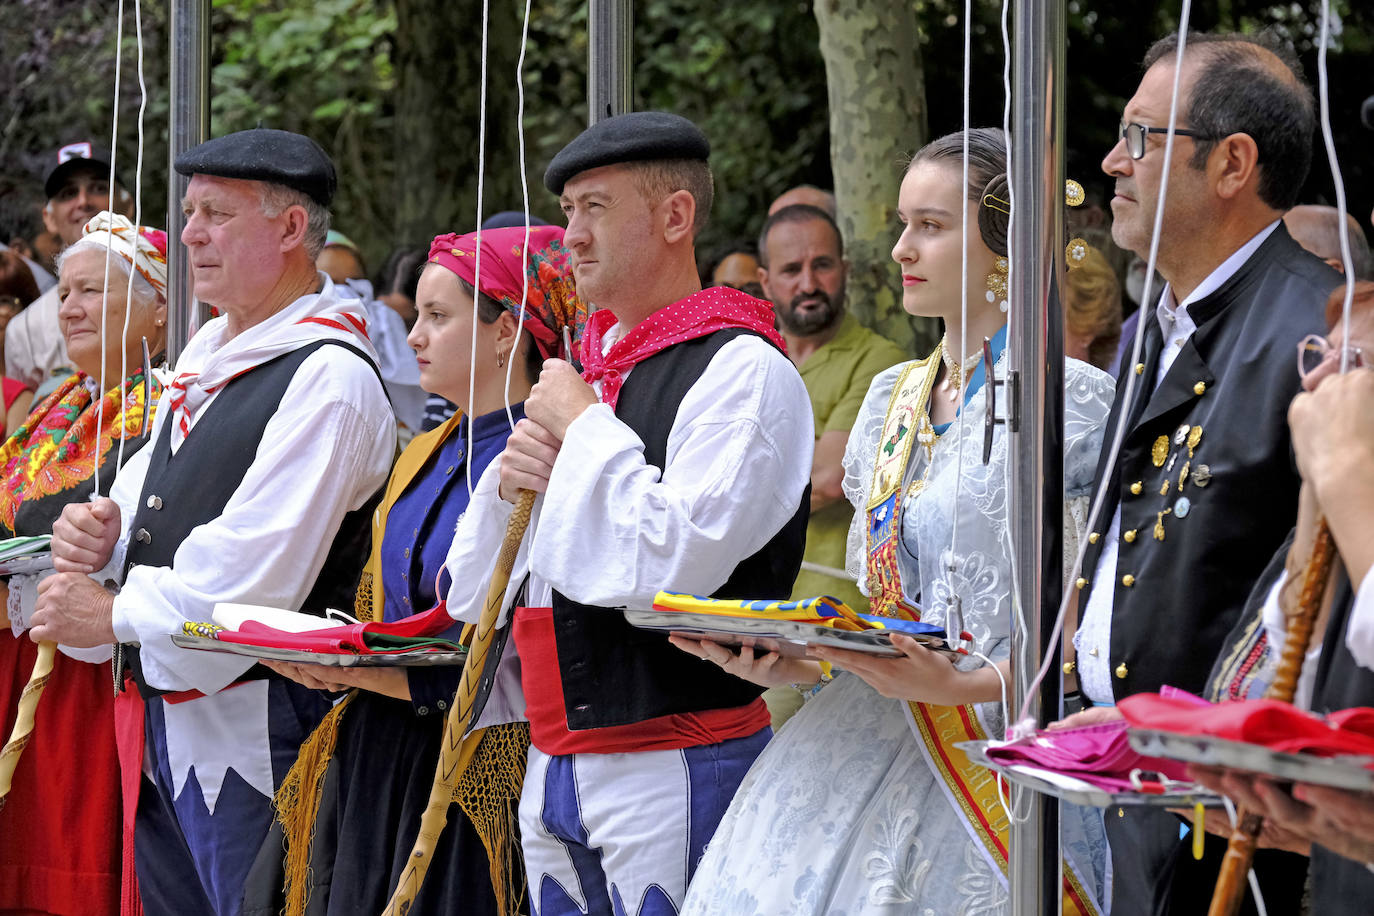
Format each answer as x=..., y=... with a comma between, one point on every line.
x=1097, y=754
x=1269, y=723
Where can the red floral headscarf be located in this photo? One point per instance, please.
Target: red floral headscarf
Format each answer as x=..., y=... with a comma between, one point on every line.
x=551, y=302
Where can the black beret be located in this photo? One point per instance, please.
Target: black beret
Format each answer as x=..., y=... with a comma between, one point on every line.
x=263, y=154
x=635, y=137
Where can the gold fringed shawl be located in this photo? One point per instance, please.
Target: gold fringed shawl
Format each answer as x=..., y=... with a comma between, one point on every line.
x=971, y=788
x=495, y=758
x=489, y=794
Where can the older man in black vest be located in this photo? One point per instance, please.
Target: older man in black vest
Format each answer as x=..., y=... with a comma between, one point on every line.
x=270, y=445
x=1205, y=488
x=681, y=462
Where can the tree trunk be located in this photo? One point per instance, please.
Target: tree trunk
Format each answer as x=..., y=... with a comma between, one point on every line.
x=438, y=107
x=877, y=120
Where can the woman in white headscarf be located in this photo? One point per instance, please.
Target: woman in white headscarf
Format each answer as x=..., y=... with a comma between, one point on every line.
x=64, y=849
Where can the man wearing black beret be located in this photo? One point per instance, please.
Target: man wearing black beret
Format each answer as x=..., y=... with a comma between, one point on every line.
x=679, y=459
x=269, y=447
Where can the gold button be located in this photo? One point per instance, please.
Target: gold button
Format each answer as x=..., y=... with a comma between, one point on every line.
x=1128, y=580
x=1136, y=488
x=1139, y=368
x=1200, y=388
x=1070, y=667
x=1080, y=583
x=1094, y=538
x=1121, y=672
x=1093, y=651
x=1129, y=536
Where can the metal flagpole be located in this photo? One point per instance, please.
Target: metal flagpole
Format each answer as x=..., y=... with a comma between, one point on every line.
x=610, y=23
x=1036, y=363
x=190, y=125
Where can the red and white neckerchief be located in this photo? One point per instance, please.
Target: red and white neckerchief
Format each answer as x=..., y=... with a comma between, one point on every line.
x=319, y=316
x=702, y=313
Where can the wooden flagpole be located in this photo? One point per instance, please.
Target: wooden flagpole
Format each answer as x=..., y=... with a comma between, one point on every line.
x=23, y=723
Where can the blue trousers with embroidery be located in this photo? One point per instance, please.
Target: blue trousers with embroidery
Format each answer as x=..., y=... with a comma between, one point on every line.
x=190, y=859
x=621, y=834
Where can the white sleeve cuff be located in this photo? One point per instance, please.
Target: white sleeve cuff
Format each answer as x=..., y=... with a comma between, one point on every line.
x=1359, y=631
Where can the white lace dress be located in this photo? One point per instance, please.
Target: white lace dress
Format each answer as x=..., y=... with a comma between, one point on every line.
x=843, y=814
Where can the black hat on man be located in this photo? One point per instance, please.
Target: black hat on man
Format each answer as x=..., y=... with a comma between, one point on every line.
x=264, y=154
x=635, y=137
x=70, y=157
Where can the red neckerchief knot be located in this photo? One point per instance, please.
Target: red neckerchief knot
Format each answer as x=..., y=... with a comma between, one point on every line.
x=179, y=388
x=700, y=314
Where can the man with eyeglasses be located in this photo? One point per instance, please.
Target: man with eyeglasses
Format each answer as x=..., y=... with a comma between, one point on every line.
x=1205, y=488
x=77, y=186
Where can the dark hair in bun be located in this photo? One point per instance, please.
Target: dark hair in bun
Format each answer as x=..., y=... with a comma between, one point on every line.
x=987, y=174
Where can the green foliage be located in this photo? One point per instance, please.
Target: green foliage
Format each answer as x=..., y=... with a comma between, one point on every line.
x=57, y=70
x=301, y=61
x=322, y=68
x=749, y=72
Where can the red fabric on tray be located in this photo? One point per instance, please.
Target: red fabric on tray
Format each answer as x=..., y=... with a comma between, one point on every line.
x=1269, y=723
x=347, y=639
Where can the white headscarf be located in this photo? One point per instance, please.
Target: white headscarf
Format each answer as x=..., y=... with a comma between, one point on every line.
x=143, y=247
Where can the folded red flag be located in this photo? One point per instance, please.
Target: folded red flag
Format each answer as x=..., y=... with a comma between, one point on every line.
x=1269, y=723
x=415, y=632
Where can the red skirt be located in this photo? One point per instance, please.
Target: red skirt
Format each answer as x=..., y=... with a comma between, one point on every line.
x=60, y=827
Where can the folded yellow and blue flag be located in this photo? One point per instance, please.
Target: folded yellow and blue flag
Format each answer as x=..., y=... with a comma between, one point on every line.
x=823, y=611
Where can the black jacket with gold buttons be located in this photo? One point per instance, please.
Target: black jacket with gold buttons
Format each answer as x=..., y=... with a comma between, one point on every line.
x=1206, y=483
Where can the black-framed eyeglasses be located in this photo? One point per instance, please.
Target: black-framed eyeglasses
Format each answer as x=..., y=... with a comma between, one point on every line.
x=1134, y=135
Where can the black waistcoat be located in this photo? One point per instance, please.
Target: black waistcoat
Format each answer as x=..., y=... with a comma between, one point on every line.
x=1339, y=885
x=1175, y=600
x=616, y=674
x=192, y=487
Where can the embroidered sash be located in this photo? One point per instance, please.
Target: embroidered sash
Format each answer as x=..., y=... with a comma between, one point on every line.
x=907, y=422
x=971, y=788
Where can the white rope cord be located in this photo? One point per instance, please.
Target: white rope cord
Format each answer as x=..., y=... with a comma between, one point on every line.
x=1015, y=816
x=1323, y=95
x=477, y=263
x=1023, y=724
x=138, y=227
x=1018, y=611
x=954, y=614
x=525, y=203
x=105, y=287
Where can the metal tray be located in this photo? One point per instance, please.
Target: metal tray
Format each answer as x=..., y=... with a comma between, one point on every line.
x=786, y=637
x=420, y=658
x=1078, y=792
x=28, y=564
x=1349, y=772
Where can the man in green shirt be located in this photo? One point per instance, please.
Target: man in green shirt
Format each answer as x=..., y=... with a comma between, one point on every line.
x=802, y=270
